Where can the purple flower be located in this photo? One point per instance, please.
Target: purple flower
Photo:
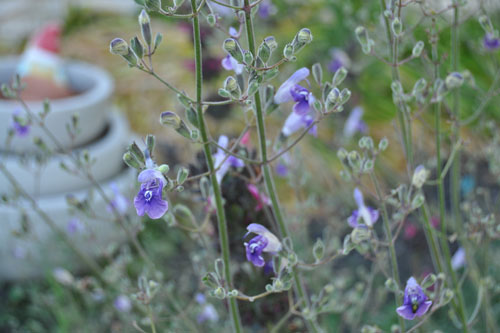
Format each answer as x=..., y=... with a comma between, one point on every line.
x=266, y=9
x=219, y=157
x=19, y=124
x=339, y=59
x=459, y=259
x=122, y=303
x=75, y=226
x=415, y=303
x=355, y=123
x=367, y=214
x=265, y=241
x=119, y=201
x=231, y=64
x=282, y=167
x=233, y=32
x=284, y=93
x=491, y=42
x=295, y=122
x=149, y=199
x=208, y=311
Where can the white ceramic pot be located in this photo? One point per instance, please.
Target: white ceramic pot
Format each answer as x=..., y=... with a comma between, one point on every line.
x=40, y=250
x=51, y=179
x=91, y=103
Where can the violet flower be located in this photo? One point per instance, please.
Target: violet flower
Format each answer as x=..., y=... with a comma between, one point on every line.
x=367, y=214
x=19, y=124
x=75, y=226
x=415, y=303
x=266, y=9
x=265, y=241
x=231, y=64
x=339, y=59
x=149, y=200
x=295, y=122
x=119, y=201
x=459, y=259
x=233, y=32
x=355, y=123
x=122, y=303
x=261, y=198
x=208, y=311
x=491, y=42
x=291, y=90
x=220, y=156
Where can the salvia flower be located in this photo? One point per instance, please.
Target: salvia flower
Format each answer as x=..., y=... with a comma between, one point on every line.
x=75, y=226
x=19, y=124
x=491, y=42
x=149, y=200
x=231, y=64
x=119, y=201
x=220, y=156
x=261, y=198
x=364, y=213
x=291, y=90
x=339, y=59
x=415, y=302
x=459, y=259
x=122, y=303
x=265, y=241
x=208, y=312
x=295, y=122
x=355, y=123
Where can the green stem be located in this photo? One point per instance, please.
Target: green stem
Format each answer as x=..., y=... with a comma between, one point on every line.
x=268, y=178
x=392, y=251
x=221, y=217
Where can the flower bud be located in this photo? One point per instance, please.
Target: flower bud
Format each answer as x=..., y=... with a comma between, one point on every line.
x=485, y=23
x=232, y=47
x=164, y=169
x=145, y=24
x=417, y=49
x=247, y=57
x=271, y=42
x=383, y=144
x=339, y=76
x=420, y=176
x=288, y=51
x=220, y=293
x=317, y=72
x=417, y=201
x=264, y=52
x=230, y=84
x=150, y=142
x=419, y=87
x=304, y=36
x=119, y=47
x=136, y=46
x=454, y=80
x=318, y=250
x=396, y=27
x=182, y=175
x=170, y=118
x=363, y=39
x=224, y=93
x=345, y=94
x=253, y=86
x=211, y=20
x=131, y=161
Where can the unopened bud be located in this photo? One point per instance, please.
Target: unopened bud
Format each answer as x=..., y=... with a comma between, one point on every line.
x=170, y=118
x=304, y=36
x=232, y=47
x=247, y=57
x=339, y=76
x=119, y=47
x=454, y=80
x=145, y=24
x=417, y=49
x=420, y=176
x=288, y=51
x=131, y=161
x=230, y=84
x=271, y=42
x=397, y=27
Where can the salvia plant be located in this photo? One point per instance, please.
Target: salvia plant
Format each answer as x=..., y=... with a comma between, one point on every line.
x=352, y=277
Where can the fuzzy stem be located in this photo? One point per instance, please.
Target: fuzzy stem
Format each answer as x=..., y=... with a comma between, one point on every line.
x=268, y=178
x=221, y=217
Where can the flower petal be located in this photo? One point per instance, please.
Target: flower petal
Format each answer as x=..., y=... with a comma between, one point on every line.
x=283, y=94
x=423, y=308
x=406, y=312
x=148, y=175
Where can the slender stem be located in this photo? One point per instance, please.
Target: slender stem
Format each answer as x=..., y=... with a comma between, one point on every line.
x=392, y=250
x=221, y=217
x=151, y=319
x=268, y=178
